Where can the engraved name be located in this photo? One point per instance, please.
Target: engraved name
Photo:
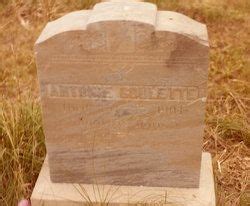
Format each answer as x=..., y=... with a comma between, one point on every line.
x=116, y=92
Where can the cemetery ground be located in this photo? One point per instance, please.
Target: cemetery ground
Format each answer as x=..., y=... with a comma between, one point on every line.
x=227, y=132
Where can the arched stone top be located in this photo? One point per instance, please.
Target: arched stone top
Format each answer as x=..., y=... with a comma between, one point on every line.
x=140, y=12
x=129, y=11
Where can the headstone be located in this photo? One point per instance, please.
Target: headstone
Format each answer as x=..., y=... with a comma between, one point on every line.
x=123, y=90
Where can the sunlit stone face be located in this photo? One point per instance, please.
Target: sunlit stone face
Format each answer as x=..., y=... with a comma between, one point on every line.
x=123, y=89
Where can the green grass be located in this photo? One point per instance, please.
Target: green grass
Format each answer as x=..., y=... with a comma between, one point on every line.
x=227, y=136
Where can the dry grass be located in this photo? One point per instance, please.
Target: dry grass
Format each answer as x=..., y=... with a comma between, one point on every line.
x=227, y=134
x=22, y=148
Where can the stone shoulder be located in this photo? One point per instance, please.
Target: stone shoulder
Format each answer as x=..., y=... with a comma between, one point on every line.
x=178, y=23
x=73, y=21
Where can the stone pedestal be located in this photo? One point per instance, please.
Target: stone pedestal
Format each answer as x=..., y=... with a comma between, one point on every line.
x=47, y=193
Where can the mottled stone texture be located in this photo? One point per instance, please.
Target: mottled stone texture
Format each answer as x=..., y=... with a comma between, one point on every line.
x=47, y=193
x=123, y=90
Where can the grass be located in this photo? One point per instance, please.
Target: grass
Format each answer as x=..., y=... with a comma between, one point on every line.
x=22, y=148
x=227, y=134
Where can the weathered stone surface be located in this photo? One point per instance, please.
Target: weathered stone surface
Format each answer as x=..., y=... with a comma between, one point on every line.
x=47, y=193
x=123, y=90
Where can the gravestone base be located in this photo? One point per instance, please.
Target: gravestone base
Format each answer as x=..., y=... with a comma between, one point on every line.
x=47, y=193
